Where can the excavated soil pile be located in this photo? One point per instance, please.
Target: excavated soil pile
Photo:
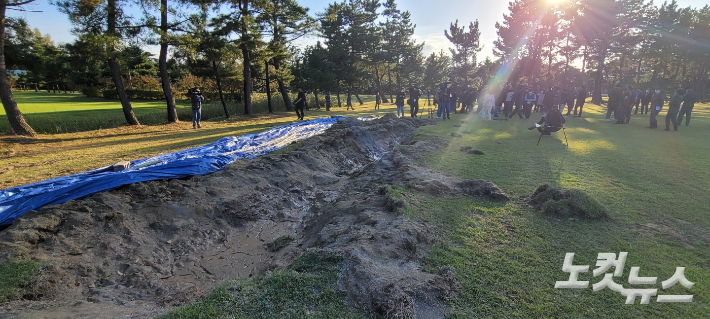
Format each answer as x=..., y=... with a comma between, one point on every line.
x=566, y=203
x=143, y=248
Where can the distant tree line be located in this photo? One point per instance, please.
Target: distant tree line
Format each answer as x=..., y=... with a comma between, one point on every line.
x=237, y=47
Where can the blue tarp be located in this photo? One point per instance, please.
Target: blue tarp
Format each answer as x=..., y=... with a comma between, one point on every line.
x=16, y=201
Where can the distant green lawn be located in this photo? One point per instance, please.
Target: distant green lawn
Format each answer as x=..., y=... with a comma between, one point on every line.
x=73, y=112
x=53, y=113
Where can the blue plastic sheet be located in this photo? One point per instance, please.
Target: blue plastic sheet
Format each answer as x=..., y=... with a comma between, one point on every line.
x=206, y=159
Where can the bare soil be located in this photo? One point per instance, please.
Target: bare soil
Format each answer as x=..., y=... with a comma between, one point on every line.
x=139, y=250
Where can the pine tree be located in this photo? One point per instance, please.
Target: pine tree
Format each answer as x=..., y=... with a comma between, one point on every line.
x=466, y=46
x=17, y=121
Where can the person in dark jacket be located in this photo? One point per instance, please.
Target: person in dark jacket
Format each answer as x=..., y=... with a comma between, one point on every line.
x=645, y=101
x=689, y=101
x=551, y=121
x=500, y=101
x=549, y=102
x=570, y=101
x=377, y=101
x=673, y=108
x=629, y=101
x=615, y=104
x=399, y=102
x=637, y=98
x=563, y=100
x=300, y=103
x=656, y=106
x=414, y=95
x=196, y=100
x=508, y=104
x=581, y=99
x=518, y=101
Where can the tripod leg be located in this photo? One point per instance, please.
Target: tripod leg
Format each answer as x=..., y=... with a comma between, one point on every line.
x=565, y=133
x=538, y=140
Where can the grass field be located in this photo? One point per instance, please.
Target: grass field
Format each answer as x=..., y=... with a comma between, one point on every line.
x=54, y=113
x=655, y=186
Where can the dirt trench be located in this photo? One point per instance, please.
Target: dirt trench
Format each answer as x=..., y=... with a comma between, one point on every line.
x=139, y=250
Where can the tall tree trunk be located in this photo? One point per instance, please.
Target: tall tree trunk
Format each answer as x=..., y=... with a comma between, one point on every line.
x=622, y=61
x=389, y=78
x=283, y=89
x=315, y=94
x=244, y=6
x=358, y=99
x=327, y=101
x=219, y=88
x=268, y=87
x=17, y=121
x=638, y=72
x=378, y=81
x=36, y=87
x=654, y=77
x=113, y=66
x=338, y=95
x=597, y=94
x=163, y=62
x=567, y=60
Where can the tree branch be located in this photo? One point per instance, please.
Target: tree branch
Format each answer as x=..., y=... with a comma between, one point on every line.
x=22, y=3
x=23, y=10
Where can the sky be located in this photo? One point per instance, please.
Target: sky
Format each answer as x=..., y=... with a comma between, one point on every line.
x=431, y=17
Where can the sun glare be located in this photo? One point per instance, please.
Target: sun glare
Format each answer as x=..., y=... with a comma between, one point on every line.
x=554, y=1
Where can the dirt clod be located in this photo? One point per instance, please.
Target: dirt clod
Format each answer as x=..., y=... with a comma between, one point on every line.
x=566, y=203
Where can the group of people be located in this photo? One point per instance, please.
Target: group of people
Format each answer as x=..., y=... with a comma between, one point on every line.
x=623, y=100
x=523, y=101
x=508, y=102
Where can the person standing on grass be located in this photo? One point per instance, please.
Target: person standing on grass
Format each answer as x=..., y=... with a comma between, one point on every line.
x=377, y=101
x=540, y=101
x=581, y=98
x=500, y=101
x=688, y=103
x=656, y=106
x=564, y=96
x=196, y=99
x=414, y=94
x=673, y=108
x=399, y=101
x=518, y=101
x=549, y=102
x=570, y=101
x=530, y=99
x=508, y=105
x=489, y=102
x=300, y=103
x=615, y=104
x=630, y=102
x=646, y=101
x=637, y=97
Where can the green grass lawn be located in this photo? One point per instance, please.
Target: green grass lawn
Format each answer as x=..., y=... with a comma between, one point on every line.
x=655, y=186
x=53, y=113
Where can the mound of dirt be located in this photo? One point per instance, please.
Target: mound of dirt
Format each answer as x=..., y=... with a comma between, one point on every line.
x=566, y=203
x=143, y=248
